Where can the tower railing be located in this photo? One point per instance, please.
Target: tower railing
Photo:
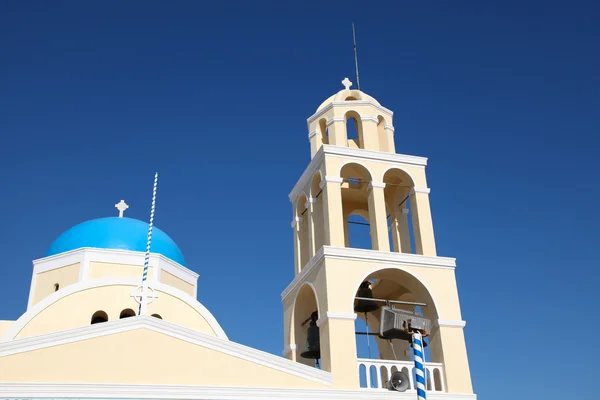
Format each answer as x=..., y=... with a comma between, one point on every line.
x=374, y=374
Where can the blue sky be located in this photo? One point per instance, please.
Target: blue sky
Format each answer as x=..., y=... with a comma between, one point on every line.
x=502, y=98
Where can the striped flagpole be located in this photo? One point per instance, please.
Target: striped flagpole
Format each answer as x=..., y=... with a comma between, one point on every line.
x=419, y=368
x=144, y=299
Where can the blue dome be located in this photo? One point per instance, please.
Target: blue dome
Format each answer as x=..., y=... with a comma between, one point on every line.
x=116, y=233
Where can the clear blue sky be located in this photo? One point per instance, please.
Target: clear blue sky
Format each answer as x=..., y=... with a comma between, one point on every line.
x=503, y=99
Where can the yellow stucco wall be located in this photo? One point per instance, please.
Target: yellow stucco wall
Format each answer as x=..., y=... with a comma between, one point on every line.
x=106, y=270
x=45, y=281
x=171, y=280
x=142, y=356
x=76, y=310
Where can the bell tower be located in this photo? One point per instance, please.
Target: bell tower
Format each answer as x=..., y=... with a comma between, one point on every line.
x=355, y=170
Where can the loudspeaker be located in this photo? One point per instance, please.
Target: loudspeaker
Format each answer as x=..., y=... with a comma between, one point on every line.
x=398, y=382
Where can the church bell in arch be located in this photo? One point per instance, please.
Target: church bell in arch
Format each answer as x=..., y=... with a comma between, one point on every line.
x=364, y=305
x=312, y=348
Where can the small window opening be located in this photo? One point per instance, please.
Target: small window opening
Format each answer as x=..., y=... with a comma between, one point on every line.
x=98, y=317
x=126, y=313
x=157, y=316
x=56, y=287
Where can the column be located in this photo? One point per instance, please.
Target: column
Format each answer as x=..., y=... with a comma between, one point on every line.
x=297, y=244
x=338, y=349
x=332, y=211
x=377, y=217
x=399, y=217
x=336, y=128
x=310, y=215
x=447, y=345
x=422, y=223
x=369, y=133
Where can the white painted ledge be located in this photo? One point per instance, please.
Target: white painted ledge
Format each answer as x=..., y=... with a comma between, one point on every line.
x=35, y=391
x=381, y=257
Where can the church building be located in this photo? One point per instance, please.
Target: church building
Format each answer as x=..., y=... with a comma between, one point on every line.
x=91, y=318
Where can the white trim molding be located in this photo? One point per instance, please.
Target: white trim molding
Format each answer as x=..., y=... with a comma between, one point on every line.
x=288, y=349
x=39, y=307
x=421, y=190
x=336, y=315
x=312, y=134
x=172, y=330
x=380, y=185
x=380, y=257
x=331, y=121
x=450, y=323
x=373, y=119
x=90, y=391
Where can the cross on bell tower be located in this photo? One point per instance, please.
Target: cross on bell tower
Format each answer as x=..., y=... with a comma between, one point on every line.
x=365, y=176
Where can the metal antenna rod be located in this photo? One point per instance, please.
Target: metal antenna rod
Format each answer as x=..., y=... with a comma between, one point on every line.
x=355, y=57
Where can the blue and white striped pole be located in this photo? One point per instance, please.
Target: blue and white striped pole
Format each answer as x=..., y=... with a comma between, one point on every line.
x=144, y=296
x=419, y=367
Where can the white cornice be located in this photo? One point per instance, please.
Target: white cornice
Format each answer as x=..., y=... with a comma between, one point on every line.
x=450, y=323
x=335, y=315
x=288, y=349
x=32, y=312
x=85, y=391
x=114, y=256
x=169, y=329
x=393, y=159
x=375, y=155
x=380, y=257
x=421, y=190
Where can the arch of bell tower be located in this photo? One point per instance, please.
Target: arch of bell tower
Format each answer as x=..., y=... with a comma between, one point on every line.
x=331, y=123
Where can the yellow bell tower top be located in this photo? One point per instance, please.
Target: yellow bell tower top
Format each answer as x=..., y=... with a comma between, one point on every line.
x=372, y=122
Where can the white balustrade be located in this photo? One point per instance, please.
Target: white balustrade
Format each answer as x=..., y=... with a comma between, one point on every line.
x=374, y=374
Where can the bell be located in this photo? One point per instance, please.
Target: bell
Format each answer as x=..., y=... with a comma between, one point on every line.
x=365, y=306
x=312, y=348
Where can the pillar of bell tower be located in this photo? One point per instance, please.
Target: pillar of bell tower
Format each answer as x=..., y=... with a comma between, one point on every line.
x=363, y=176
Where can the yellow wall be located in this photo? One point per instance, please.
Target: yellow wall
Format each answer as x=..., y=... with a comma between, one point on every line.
x=110, y=270
x=44, y=282
x=171, y=280
x=76, y=310
x=142, y=356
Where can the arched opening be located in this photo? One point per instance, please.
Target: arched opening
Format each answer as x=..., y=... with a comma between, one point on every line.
x=354, y=130
x=350, y=98
x=317, y=214
x=56, y=287
x=398, y=186
x=302, y=231
x=393, y=284
x=382, y=135
x=323, y=132
x=355, y=206
x=126, y=313
x=358, y=230
x=304, y=308
x=156, y=316
x=99, y=317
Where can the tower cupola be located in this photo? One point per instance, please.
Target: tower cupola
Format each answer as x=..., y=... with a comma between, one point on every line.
x=351, y=118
